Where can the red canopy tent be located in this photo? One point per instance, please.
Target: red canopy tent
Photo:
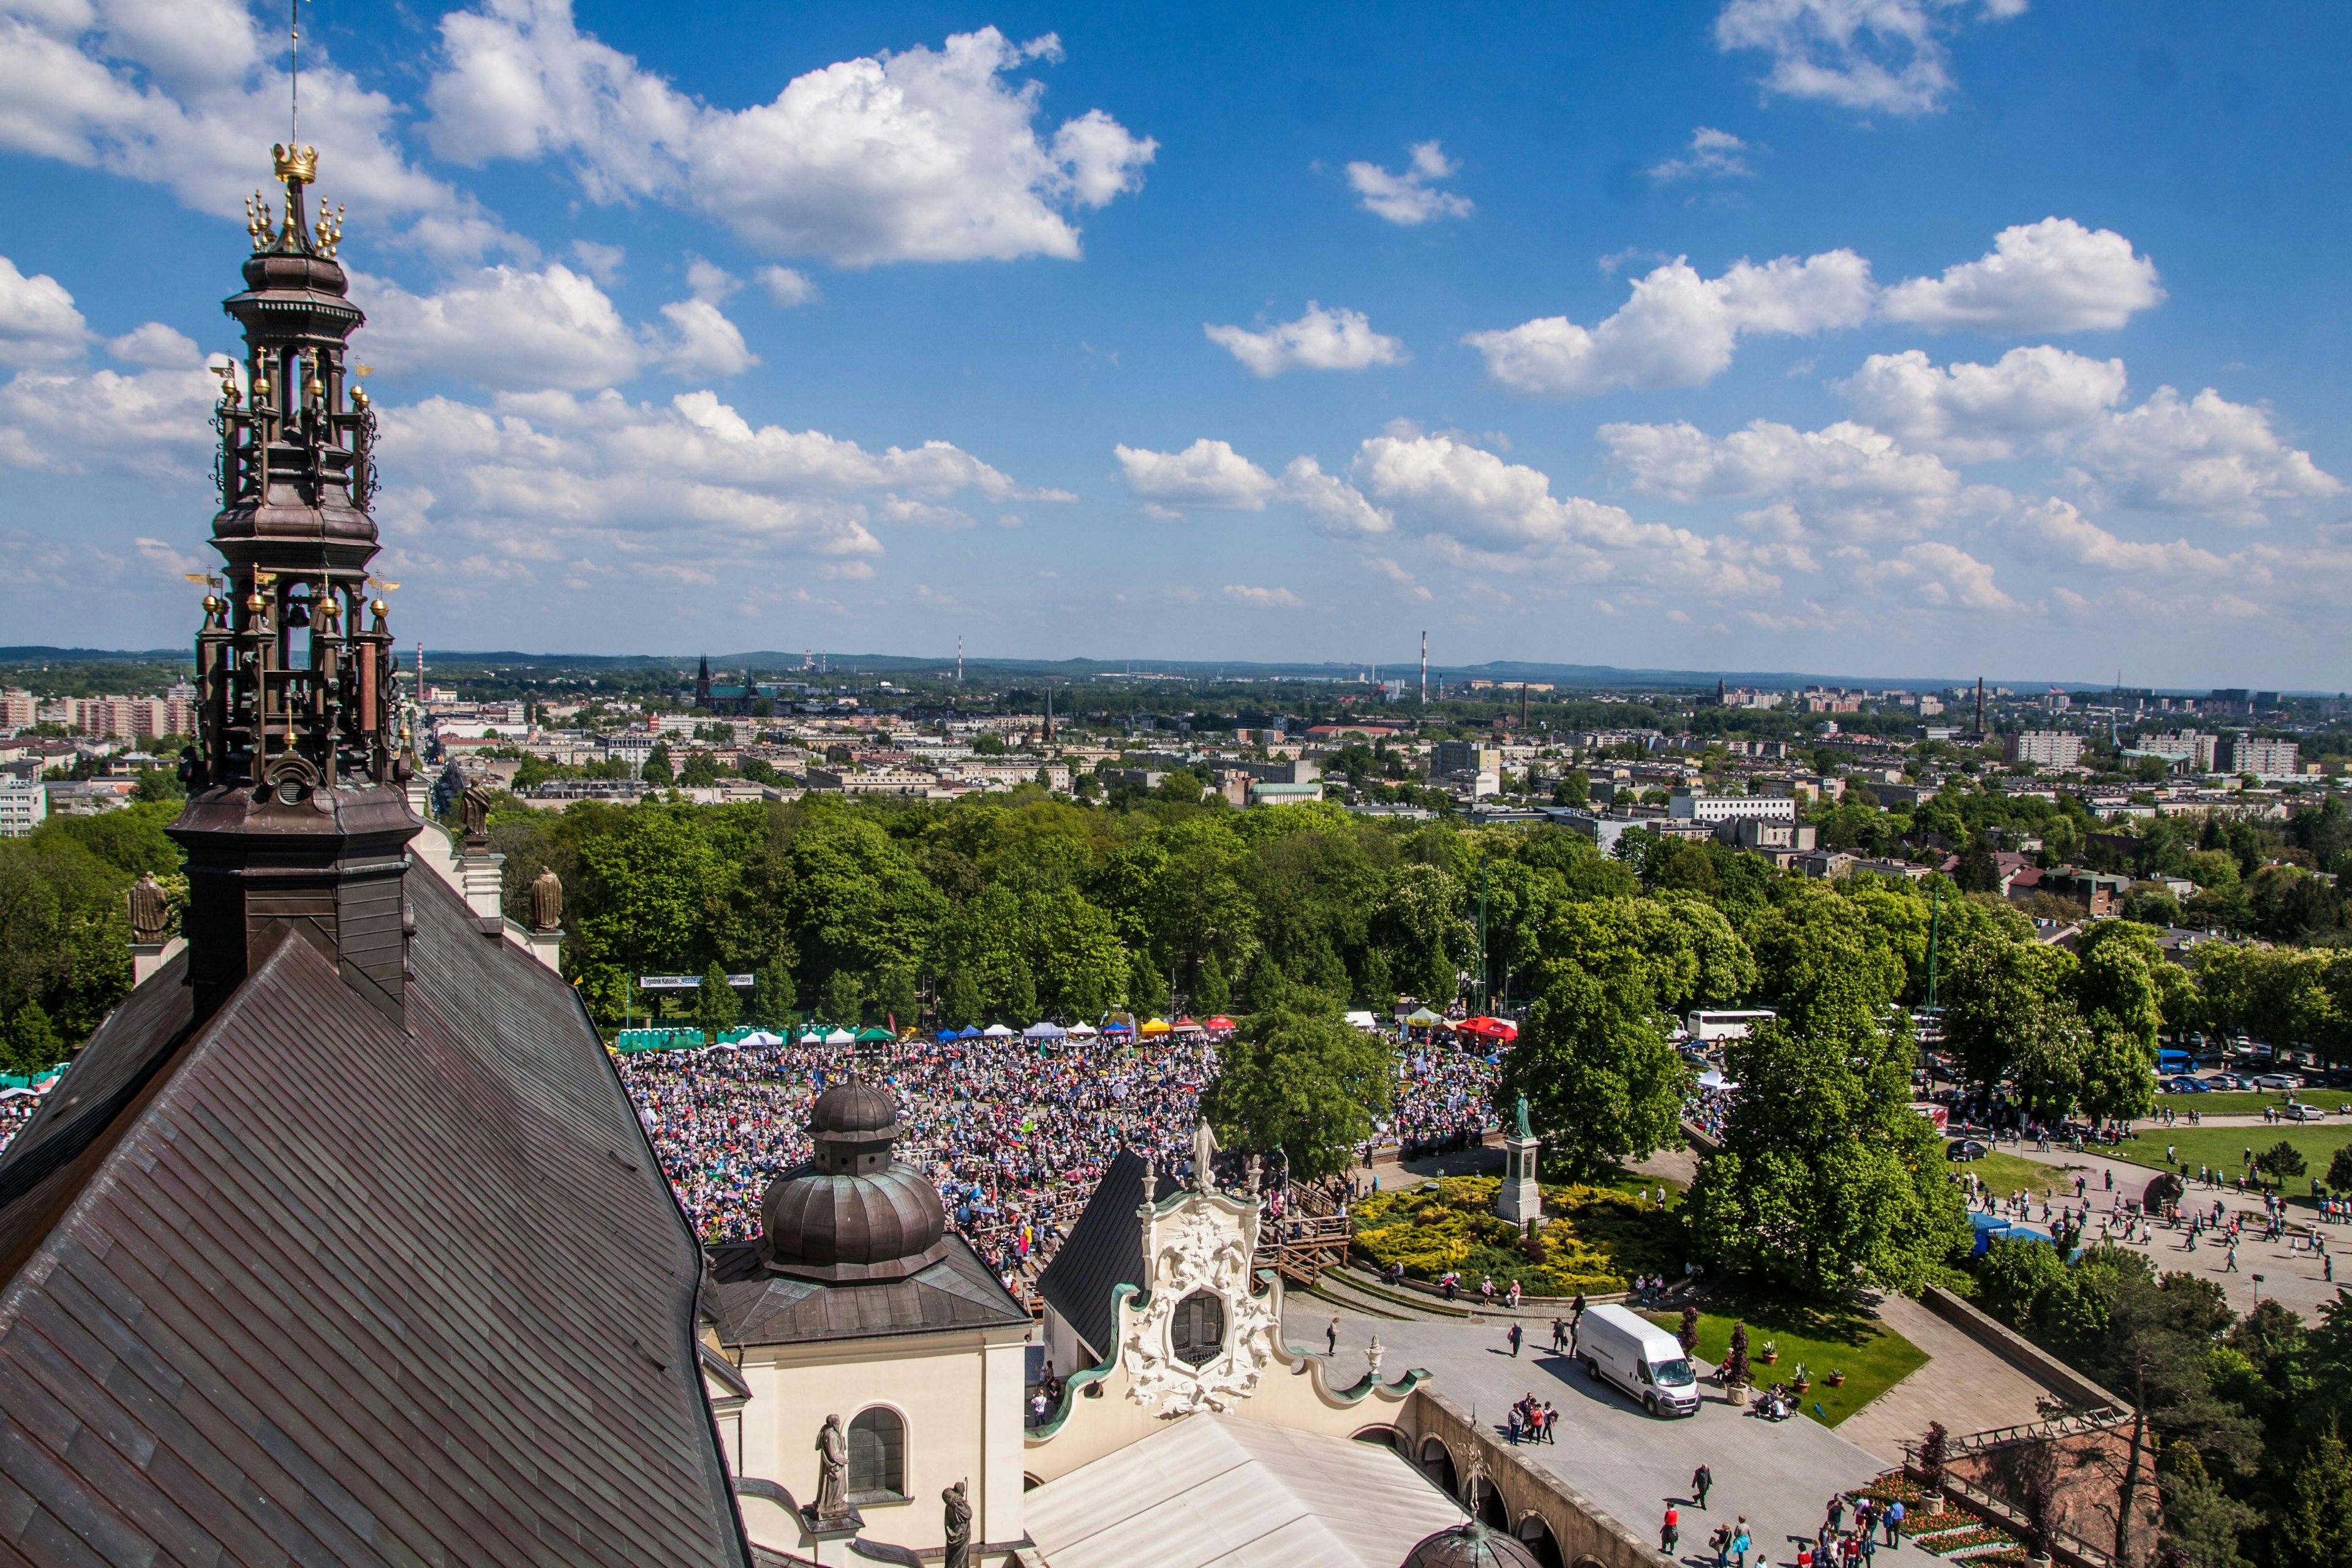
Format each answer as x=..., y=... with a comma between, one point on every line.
x=1489, y=1028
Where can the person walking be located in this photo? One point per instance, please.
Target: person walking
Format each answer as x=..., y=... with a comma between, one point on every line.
x=1331, y=1335
x=2230, y=1266
x=1836, y=1512
x=1516, y=1337
x=1559, y=1336
x=1739, y=1544
x=1894, y=1523
x=1702, y=1480
x=1670, y=1530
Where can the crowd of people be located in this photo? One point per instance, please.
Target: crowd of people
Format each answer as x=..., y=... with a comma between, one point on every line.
x=1015, y=1135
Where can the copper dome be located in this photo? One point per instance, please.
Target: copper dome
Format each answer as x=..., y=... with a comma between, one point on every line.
x=855, y=1106
x=852, y=1214
x=1470, y=1544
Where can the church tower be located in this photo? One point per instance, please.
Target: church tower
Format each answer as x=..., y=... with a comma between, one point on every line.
x=296, y=817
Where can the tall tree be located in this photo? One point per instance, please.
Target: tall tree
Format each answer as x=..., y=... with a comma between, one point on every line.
x=1298, y=1080
x=716, y=1008
x=1147, y=989
x=844, y=1000
x=772, y=994
x=1827, y=1179
x=1604, y=1083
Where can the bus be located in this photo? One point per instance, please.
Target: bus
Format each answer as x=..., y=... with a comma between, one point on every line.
x=1707, y=1028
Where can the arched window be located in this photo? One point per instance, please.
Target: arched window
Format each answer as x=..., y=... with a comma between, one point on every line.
x=878, y=1457
x=1198, y=1333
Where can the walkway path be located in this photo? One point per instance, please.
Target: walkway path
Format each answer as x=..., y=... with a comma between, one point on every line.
x=2289, y=1271
x=1963, y=1384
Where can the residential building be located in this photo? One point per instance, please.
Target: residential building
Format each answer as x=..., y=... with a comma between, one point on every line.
x=18, y=710
x=1284, y=794
x=2099, y=893
x=2043, y=748
x=1465, y=757
x=1757, y=833
x=24, y=805
x=2257, y=755
x=2187, y=746
x=1714, y=808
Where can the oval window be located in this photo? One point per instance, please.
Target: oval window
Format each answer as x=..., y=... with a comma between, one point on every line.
x=1198, y=1333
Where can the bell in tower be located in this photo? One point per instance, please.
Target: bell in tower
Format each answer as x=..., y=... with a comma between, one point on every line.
x=295, y=818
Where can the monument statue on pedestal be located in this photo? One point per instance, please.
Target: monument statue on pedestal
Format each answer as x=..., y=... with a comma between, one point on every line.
x=1519, y=1199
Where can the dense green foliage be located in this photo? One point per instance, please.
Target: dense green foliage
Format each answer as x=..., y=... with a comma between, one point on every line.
x=1826, y=1178
x=65, y=925
x=1300, y=1082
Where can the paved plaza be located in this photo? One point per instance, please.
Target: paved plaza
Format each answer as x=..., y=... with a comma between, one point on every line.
x=2290, y=1271
x=1780, y=1474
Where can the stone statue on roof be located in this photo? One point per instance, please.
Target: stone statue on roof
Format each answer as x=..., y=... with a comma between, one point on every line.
x=1205, y=1157
x=833, y=1477
x=958, y=1521
x=474, y=816
x=547, y=901
x=151, y=912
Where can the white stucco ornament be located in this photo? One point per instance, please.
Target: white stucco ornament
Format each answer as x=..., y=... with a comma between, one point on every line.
x=1203, y=1241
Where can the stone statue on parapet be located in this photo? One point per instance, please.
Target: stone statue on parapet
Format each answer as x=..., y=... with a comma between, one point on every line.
x=959, y=1518
x=547, y=901
x=151, y=912
x=833, y=1477
x=1205, y=1157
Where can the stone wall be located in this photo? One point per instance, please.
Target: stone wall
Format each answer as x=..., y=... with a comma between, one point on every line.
x=2019, y=1351
x=1585, y=1536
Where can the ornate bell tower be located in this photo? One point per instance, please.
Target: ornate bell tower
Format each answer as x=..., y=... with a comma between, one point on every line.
x=295, y=818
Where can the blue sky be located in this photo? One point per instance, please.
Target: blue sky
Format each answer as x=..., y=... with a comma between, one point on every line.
x=1903, y=337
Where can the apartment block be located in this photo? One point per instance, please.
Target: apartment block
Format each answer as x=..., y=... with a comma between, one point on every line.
x=1711, y=808
x=2043, y=748
x=2255, y=755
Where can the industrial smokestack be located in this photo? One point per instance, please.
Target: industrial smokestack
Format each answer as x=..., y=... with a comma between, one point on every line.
x=1425, y=667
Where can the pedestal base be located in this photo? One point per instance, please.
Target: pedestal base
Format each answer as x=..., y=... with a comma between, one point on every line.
x=1519, y=1200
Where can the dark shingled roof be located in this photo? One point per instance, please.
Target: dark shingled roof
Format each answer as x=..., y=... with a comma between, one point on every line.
x=1103, y=1250
x=302, y=1285
x=754, y=1307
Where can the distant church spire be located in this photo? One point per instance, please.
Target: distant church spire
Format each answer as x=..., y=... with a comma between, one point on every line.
x=702, y=683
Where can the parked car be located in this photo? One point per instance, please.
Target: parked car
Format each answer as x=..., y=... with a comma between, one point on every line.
x=1967, y=1148
x=2225, y=1081
x=2304, y=1113
x=2277, y=1080
x=2187, y=1086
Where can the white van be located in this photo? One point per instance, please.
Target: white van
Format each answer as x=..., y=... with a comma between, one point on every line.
x=1639, y=1357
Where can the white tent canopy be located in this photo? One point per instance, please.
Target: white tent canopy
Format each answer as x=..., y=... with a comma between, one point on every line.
x=760, y=1038
x=1045, y=1030
x=841, y=1037
x=1084, y=1031
x=812, y=1038
x=996, y=1032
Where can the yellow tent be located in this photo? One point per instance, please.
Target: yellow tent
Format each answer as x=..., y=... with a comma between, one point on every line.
x=1155, y=1026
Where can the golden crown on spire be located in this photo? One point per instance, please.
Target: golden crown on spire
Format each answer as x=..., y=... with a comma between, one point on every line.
x=295, y=164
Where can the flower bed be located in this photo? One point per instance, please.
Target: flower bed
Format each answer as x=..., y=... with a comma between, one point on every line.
x=2007, y=1557
x=1893, y=1487
x=1593, y=1239
x=1962, y=1540
x=1935, y=1523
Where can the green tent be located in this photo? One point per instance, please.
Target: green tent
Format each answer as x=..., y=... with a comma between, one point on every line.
x=876, y=1032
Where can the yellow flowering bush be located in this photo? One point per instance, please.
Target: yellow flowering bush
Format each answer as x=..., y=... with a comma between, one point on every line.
x=1593, y=1240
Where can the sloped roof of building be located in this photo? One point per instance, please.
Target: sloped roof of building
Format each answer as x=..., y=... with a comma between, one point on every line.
x=1103, y=1252
x=754, y=1307
x=1237, y=1494
x=299, y=1283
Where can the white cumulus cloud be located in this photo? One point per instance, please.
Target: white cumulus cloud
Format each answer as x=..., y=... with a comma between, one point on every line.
x=515, y=328
x=1940, y=575
x=787, y=286
x=2054, y=276
x=1207, y=474
x=1679, y=329
x=922, y=155
x=1712, y=155
x=1845, y=480
x=1409, y=195
x=1871, y=55
x=2202, y=454
x=157, y=423
x=1319, y=339
x=39, y=321
x=2031, y=398
x=2057, y=531
x=189, y=94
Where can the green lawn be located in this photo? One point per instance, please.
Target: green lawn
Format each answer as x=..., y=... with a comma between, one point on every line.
x=1873, y=1356
x=2225, y=1147
x=2005, y=1173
